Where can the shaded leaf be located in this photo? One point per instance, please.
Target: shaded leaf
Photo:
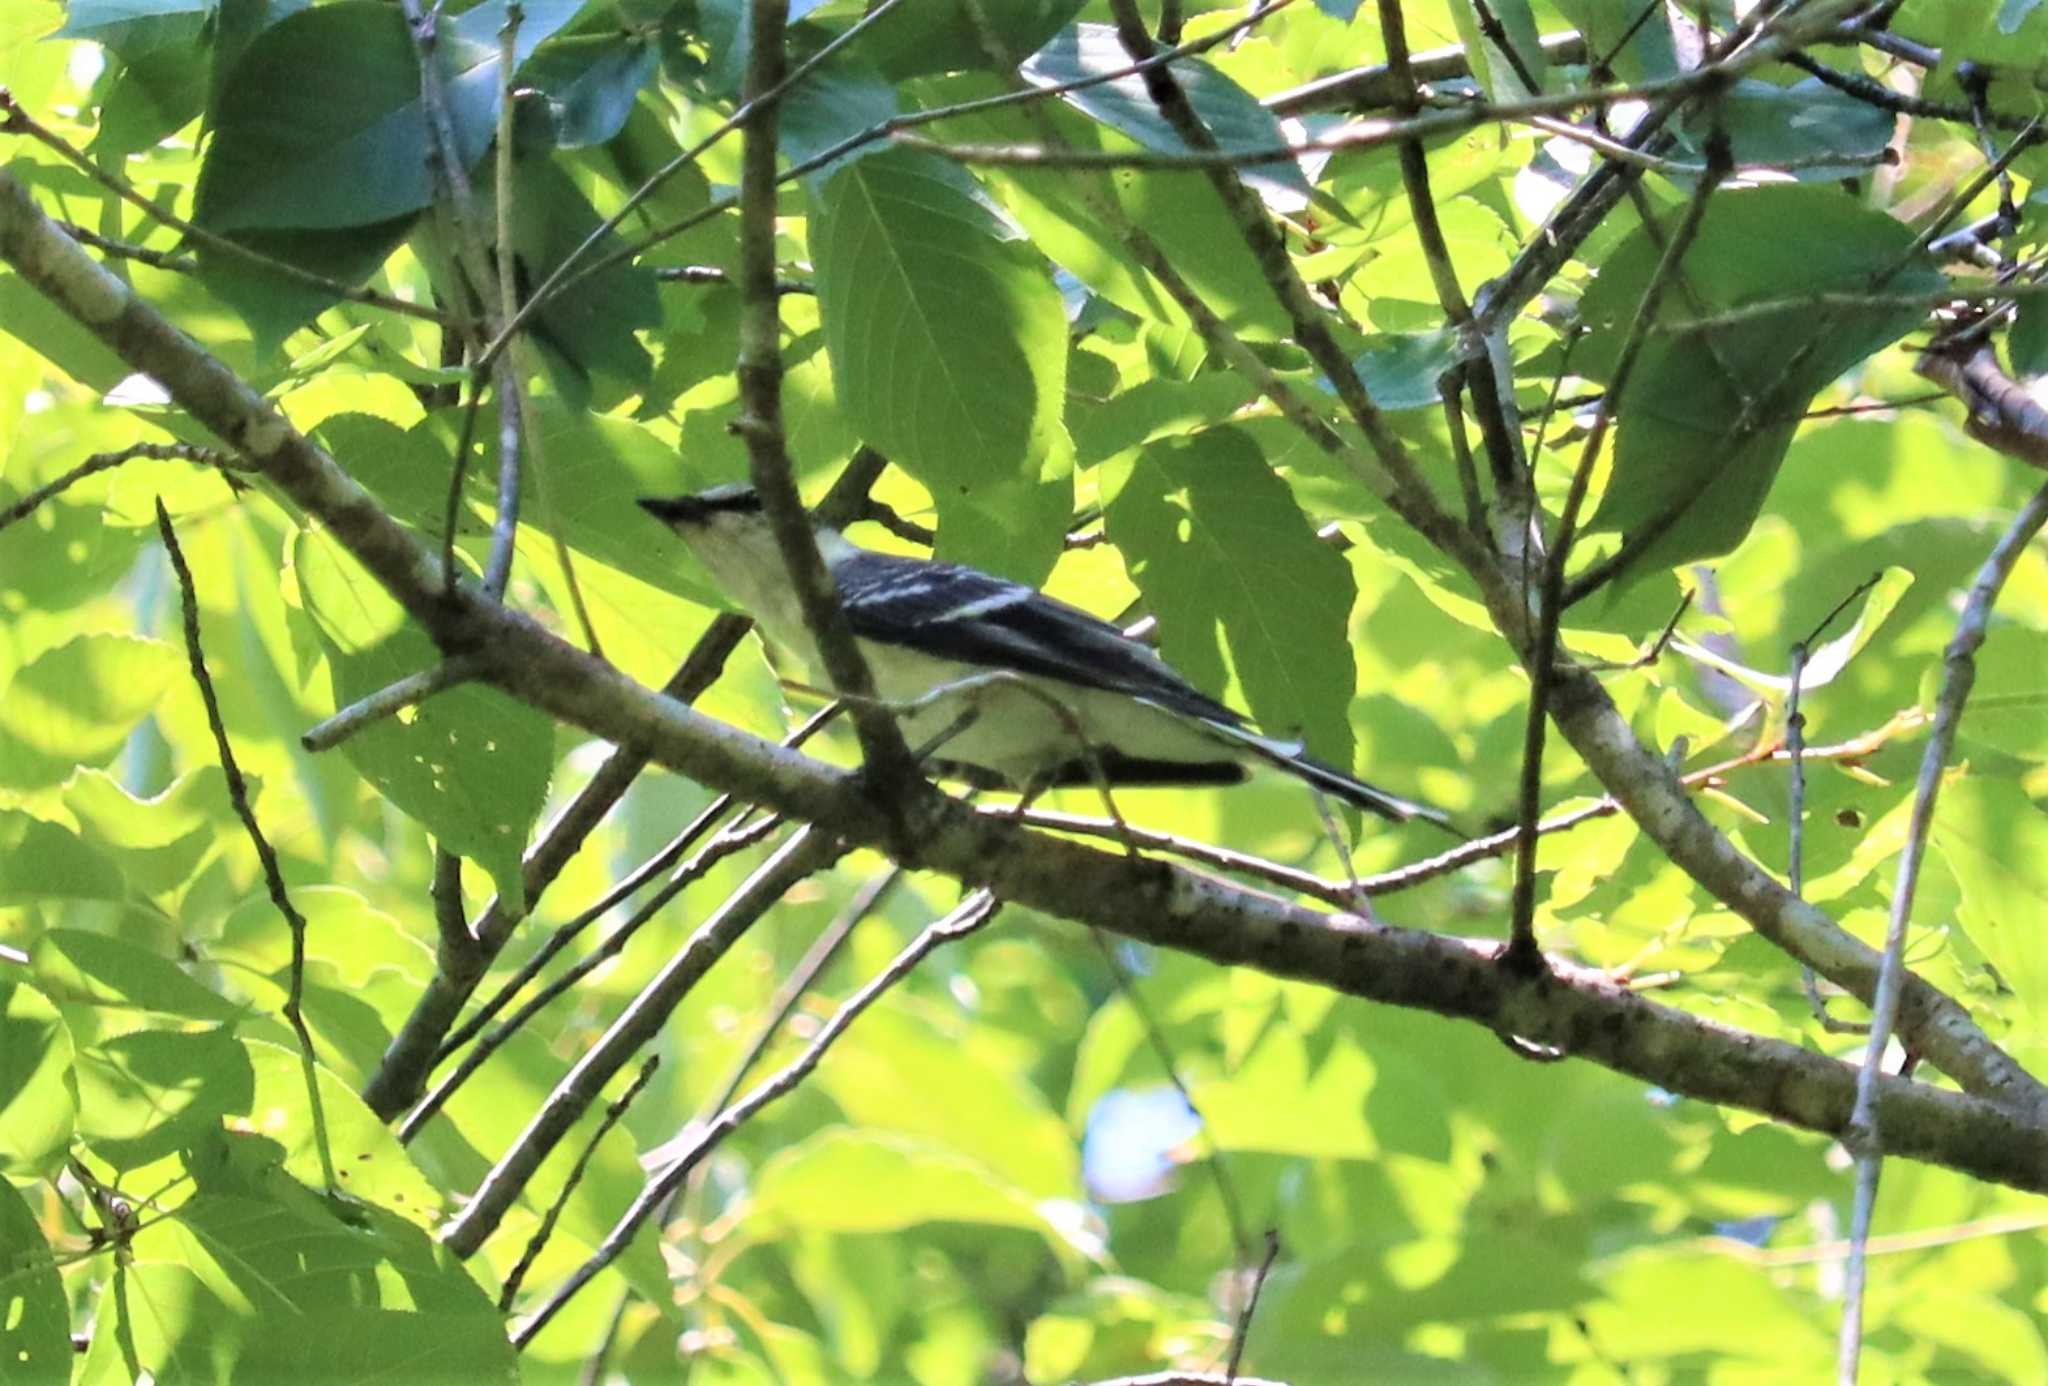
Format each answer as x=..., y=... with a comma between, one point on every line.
x=1241, y=586
x=1232, y=115
x=38, y=1096
x=35, y=1317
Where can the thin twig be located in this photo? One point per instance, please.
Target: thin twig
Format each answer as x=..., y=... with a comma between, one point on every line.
x=273, y=874
x=106, y=461
x=735, y=839
x=973, y=912
x=1522, y=949
x=388, y=701
x=541, y=1234
x=807, y=852
x=1241, y=1332
x=1862, y=1135
x=511, y=422
x=1155, y=1040
x=1795, y=828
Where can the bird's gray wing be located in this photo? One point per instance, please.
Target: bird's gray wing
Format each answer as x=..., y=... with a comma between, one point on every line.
x=975, y=618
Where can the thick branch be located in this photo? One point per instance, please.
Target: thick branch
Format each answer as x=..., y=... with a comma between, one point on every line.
x=1569, y=1008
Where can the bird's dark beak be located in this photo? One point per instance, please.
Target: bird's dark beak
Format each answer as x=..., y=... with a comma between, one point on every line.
x=675, y=510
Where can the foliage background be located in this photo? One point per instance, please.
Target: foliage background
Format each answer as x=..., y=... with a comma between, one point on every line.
x=930, y=1206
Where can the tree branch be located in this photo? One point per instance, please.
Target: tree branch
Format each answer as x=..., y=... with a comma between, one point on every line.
x=1571, y=1009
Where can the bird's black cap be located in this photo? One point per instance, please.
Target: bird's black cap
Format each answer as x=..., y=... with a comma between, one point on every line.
x=735, y=499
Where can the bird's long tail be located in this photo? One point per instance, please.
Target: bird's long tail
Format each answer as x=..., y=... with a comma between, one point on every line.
x=1288, y=756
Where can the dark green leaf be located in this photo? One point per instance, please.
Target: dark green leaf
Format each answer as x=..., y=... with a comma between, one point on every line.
x=303, y=142
x=920, y=39
x=275, y=305
x=143, y=1095
x=1818, y=133
x=835, y=103
x=1401, y=370
x=1233, y=116
x=2026, y=345
x=1632, y=38
x=591, y=82
x=1676, y=465
x=38, y=1096
x=35, y=1317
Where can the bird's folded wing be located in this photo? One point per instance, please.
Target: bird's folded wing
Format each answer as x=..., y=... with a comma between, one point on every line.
x=971, y=617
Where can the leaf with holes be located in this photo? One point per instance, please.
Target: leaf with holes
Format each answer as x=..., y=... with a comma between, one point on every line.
x=469, y=763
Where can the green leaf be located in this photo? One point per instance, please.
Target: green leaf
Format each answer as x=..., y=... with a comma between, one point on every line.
x=896, y=1073
x=159, y=841
x=363, y=938
x=1240, y=583
x=38, y=1096
x=1993, y=838
x=920, y=39
x=1017, y=528
x=369, y=1162
x=116, y=22
x=85, y=968
x=1232, y=115
x=1822, y=134
x=948, y=339
x=1674, y=465
x=1636, y=42
x=835, y=103
x=1505, y=25
x=591, y=82
x=275, y=305
x=304, y=142
x=76, y=704
x=593, y=326
x=57, y=337
x=471, y=764
x=46, y=861
x=143, y=1095
x=1401, y=369
x=2026, y=344
x=844, y=1180
x=35, y=1316
x=268, y=1288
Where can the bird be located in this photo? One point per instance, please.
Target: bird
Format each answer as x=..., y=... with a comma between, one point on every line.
x=1005, y=686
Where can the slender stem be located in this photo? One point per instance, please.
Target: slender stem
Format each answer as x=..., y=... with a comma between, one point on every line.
x=517, y=1275
x=386, y=702
x=107, y=461
x=973, y=912
x=1863, y=1135
x=273, y=874
x=807, y=852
